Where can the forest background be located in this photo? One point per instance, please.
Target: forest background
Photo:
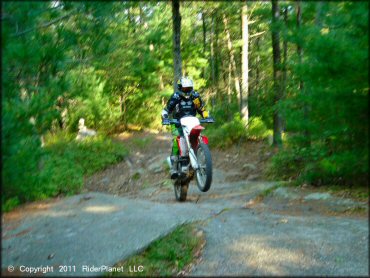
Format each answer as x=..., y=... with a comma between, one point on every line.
x=292, y=73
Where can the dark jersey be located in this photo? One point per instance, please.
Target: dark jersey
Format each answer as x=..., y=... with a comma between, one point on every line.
x=181, y=106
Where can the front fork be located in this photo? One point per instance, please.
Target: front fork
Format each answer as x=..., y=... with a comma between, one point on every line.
x=193, y=159
x=192, y=156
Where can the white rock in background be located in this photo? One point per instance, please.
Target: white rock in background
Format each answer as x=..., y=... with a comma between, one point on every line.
x=270, y=140
x=83, y=131
x=318, y=196
x=286, y=193
x=249, y=166
x=157, y=166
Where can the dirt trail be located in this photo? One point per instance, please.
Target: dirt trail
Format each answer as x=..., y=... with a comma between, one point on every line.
x=286, y=233
x=146, y=167
x=292, y=231
x=144, y=175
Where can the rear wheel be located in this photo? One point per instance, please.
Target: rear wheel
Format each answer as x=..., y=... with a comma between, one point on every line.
x=204, y=172
x=181, y=190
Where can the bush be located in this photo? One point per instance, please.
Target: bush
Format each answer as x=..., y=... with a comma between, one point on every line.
x=318, y=166
x=21, y=152
x=257, y=129
x=228, y=133
x=345, y=167
x=91, y=103
x=235, y=131
x=92, y=154
x=10, y=204
x=285, y=164
x=61, y=168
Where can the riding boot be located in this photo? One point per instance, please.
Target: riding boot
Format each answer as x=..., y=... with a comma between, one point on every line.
x=173, y=171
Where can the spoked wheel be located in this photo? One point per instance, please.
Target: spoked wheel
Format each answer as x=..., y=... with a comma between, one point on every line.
x=204, y=172
x=181, y=190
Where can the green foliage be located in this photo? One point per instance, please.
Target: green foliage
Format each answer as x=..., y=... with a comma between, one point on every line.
x=224, y=135
x=10, y=204
x=257, y=129
x=91, y=103
x=92, y=154
x=228, y=133
x=60, y=169
x=21, y=152
x=285, y=165
x=347, y=167
x=327, y=122
x=316, y=166
x=142, y=142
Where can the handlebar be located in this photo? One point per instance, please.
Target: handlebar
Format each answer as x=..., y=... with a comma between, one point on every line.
x=170, y=121
x=209, y=120
x=176, y=121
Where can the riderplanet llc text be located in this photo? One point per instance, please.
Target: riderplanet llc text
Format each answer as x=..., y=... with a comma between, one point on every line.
x=104, y=268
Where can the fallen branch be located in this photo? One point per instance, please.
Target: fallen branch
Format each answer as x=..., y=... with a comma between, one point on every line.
x=44, y=25
x=257, y=34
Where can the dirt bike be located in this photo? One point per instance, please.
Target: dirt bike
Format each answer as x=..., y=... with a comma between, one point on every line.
x=194, y=158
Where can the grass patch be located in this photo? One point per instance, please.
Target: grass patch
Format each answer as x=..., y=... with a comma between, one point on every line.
x=356, y=210
x=359, y=193
x=263, y=194
x=90, y=155
x=167, y=256
x=142, y=142
x=167, y=183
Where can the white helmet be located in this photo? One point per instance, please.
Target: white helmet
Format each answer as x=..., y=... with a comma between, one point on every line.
x=185, y=85
x=186, y=82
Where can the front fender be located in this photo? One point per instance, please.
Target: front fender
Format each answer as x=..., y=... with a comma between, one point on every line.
x=205, y=140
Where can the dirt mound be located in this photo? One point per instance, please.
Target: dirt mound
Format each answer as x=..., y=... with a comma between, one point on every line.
x=145, y=165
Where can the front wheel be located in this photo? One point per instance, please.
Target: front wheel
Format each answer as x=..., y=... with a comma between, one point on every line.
x=204, y=172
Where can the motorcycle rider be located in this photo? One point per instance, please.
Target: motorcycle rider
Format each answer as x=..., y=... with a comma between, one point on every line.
x=183, y=102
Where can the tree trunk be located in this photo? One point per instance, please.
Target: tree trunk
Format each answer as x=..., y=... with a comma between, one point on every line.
x=161, y=85
x=276, y=73
x=122, y=108
x=204, y=42
x=229, y=93
x=124, y=112
x=217, y=53
x=285, y=56
x=131, y=19
x=176, y=24
x=140, y=14
x=306, y=132
x=232, y=61
x=245, y=66
x=318, y=17
x=121, y=105
x=213, y=76
x=258, y=59
x=229, y=85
